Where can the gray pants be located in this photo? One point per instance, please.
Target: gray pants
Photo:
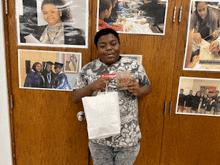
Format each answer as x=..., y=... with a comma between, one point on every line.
x=105, y=155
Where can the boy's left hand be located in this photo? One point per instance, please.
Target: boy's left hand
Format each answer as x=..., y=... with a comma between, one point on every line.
x=133, y=86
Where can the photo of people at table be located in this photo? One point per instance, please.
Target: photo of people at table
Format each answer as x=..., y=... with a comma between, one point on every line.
x=54, y=23
x=133, y=16
x=202, y=48
x=45, y=70
x=198, y=96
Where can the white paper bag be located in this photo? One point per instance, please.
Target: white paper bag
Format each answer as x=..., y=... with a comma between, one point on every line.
x=102, y=115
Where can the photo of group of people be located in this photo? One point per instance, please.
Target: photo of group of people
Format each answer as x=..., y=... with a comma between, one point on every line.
x=133, y=16
x=53, y=23
x=47, y=70
x=202, y=50
x=198, y=96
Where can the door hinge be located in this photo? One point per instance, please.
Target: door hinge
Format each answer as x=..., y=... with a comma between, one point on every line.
x=6, y=7
x=12, y=101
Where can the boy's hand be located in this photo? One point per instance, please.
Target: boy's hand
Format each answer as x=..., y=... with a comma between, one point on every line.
x=100, y=84
x=133, y=86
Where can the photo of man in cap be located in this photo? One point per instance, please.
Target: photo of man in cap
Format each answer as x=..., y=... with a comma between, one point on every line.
x=60, y=81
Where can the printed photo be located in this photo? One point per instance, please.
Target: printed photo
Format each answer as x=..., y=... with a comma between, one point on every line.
x=44, y=70
x=136, y=57
x=133, y=16
x=202, y=52
x=71, y=62
x=198, y=96
x=52, y=23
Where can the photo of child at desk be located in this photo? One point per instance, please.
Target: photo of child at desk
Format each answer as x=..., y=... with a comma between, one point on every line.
x=202, y=51
x=133, y=16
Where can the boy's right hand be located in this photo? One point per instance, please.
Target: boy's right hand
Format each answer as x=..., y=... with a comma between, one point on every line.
x=100, y=84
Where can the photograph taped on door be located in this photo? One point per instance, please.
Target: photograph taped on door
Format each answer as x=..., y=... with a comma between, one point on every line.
x=48, y=70
x=198, y=96
x=133, y=17
x=202, y=51
x=55, y=23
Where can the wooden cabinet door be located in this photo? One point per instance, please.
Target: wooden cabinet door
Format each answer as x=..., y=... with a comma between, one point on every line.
x=189, y=139
x=45, y=129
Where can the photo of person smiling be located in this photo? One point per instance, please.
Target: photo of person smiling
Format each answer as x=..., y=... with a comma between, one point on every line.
x=53, y=23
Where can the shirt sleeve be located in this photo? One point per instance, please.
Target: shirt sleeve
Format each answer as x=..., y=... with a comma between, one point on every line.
x=143, y=78
x=80, y=80
x=121, y=9
x=110, y=23
x=193, y=21
x=214, y=21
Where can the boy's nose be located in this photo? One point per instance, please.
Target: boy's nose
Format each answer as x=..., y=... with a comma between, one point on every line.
x=108, y=47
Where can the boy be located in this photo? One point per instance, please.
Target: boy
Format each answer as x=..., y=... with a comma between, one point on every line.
x=123, y=148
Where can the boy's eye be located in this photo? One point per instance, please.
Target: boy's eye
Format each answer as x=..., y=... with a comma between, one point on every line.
x=102, y=46
x=113, y=44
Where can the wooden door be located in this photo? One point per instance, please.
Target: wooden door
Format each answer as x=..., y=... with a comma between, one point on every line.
x=157, y=59
x=167, y=156
x=189, y=139
x=44, y=126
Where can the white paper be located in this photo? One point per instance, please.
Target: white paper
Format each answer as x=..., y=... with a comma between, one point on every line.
x=31, y=39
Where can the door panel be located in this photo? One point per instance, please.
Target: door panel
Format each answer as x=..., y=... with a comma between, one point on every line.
x=189, y=139
x=45, y=127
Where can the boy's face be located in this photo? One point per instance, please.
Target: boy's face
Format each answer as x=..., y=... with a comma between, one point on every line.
x=108, y=49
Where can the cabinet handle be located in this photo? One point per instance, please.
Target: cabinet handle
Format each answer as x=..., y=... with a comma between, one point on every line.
x=180, y=15
x=6, y=7
x=171, y=107
x=174, y=14
x=165, y=107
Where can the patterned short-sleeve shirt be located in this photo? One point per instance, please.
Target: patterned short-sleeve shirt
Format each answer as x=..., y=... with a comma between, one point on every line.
x=128, y=103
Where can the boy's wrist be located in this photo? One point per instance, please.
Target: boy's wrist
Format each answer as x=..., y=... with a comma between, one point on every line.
x=90, y=88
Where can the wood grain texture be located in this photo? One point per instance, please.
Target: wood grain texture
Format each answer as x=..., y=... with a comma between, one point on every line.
x=45, y=128
x=188, y=139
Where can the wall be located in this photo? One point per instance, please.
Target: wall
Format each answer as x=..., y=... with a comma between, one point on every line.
x=5, y=146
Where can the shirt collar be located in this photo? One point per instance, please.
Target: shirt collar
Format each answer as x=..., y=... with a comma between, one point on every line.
x=119, y=58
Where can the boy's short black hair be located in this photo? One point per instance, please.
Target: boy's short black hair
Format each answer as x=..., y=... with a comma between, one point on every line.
x=103, y=32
